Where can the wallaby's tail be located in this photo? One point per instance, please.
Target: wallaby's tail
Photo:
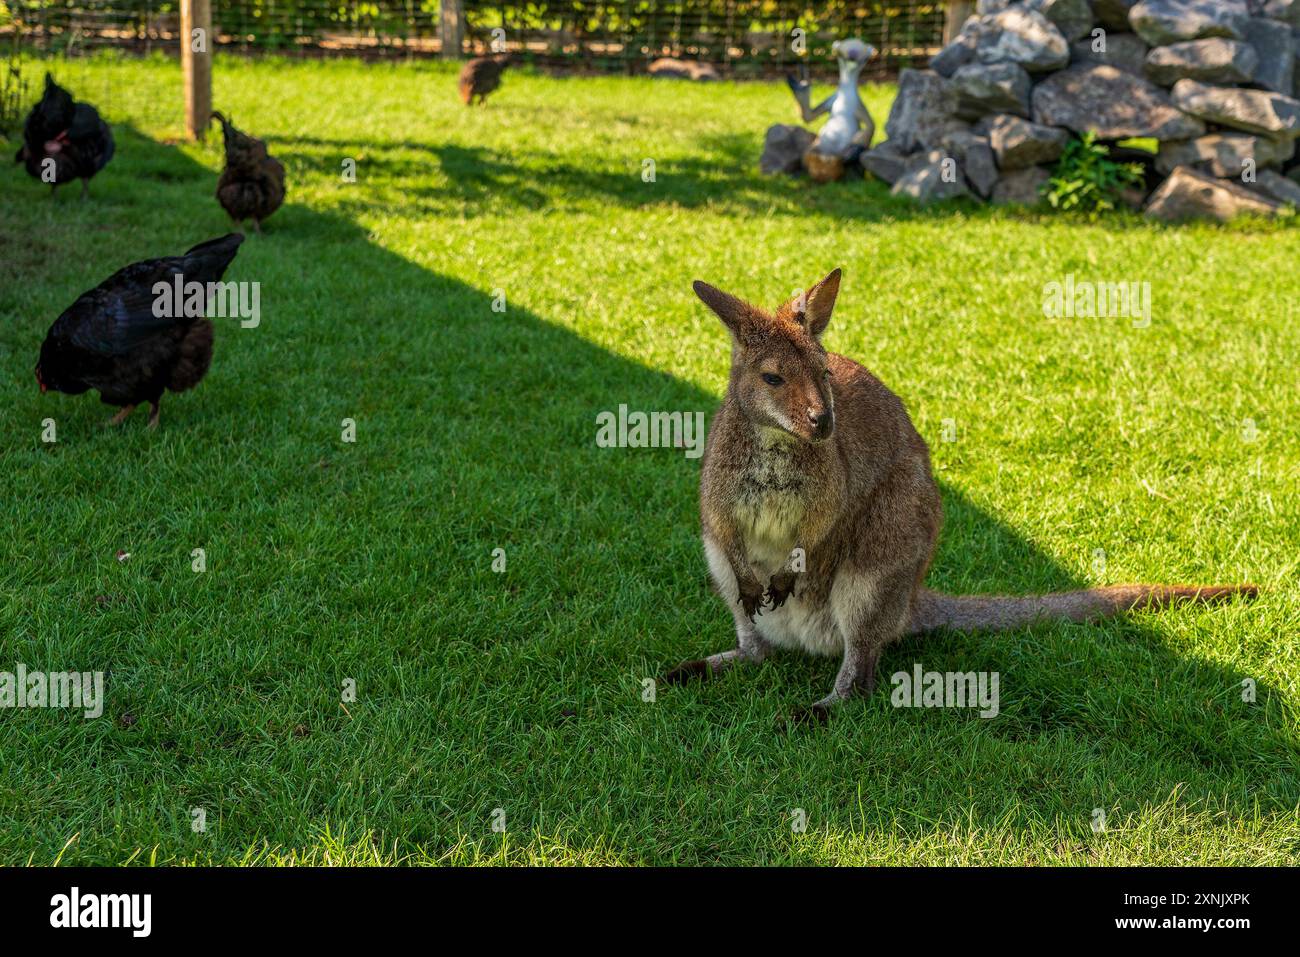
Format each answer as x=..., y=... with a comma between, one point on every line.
x=999, y=612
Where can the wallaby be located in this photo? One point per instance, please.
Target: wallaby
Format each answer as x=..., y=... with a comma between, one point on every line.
x=820, y=515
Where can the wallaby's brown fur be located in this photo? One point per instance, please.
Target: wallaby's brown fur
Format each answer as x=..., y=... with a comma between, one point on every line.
x=820, y=515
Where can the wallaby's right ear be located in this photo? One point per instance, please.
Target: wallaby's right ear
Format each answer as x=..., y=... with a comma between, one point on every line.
x=735, y=313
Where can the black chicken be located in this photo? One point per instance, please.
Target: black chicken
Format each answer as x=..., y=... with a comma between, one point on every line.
x=481, y=76
x=64, y=140
x=252, y=184
x=112, y=338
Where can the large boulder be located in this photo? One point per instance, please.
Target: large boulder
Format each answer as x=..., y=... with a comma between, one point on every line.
x=1276, y=187
x=959, y=52
x=1215, y=60
x=975, y=154
x=954, y=56
x=1169, y=21
x=1018, y=143
x=1072, y=17
x=783, y=148
x=984, y=88
x=1295, y=90
x=924, y=111
x=931, y=176
x=1288, y=11
x=1224, y=154
x=1114, y=104
x=1255, y=111
x=1113, y=14
x=1124, y=51
x=1188, y=194
x=1023, y=36
x=885, y=162
x=1276, y=49
x=1022, y=187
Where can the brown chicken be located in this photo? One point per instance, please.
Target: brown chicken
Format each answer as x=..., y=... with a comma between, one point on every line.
x=481, y=76
x=252, y=184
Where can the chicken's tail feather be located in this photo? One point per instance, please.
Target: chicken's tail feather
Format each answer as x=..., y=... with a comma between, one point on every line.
x=208, y=261
x=934, y=610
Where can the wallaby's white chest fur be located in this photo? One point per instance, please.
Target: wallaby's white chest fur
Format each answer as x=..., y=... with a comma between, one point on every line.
x=768, y=510
x=796, y=624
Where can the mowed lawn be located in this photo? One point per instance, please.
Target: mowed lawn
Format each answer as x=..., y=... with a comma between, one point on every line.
x=1087, y=450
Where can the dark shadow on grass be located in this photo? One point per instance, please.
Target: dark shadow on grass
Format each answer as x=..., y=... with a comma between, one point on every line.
x=522, y=689
x=719, y=173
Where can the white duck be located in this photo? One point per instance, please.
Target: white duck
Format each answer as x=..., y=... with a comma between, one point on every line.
x=850, y=125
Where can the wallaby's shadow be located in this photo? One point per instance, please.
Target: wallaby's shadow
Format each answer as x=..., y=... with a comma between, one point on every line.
x=514, y=688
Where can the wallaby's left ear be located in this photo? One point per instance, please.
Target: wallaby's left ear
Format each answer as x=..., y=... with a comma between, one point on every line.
x=735, y=313
x=820, y=302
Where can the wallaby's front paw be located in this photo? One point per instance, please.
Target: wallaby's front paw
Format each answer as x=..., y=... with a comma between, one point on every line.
x=687, y=671
x=779, y=588
x=751, y=599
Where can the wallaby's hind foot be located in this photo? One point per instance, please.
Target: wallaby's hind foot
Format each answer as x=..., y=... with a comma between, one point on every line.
x=749, y=652
x=813, y=716
x=687, y=671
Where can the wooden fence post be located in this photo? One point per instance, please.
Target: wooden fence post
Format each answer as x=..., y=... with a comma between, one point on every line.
x=958, y=11
x=196, y=65
x=451, y=28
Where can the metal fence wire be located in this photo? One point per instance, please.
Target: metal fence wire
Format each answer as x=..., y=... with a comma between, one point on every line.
x=741, y=38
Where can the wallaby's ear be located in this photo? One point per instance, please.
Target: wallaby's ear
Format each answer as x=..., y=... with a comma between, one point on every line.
x=820, y=302
x=735, y=313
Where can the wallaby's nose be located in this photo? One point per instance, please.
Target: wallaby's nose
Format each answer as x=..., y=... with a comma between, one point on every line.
x=821, y=421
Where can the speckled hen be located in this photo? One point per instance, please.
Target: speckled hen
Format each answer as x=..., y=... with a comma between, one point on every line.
x=481, y=76
x=252, y=184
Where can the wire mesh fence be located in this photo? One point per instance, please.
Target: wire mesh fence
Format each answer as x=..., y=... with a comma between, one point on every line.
x=741, y=38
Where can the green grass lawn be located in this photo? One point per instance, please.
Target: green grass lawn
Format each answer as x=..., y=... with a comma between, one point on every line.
x=475, y=431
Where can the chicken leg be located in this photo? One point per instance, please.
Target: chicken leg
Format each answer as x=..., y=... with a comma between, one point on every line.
x=121, y=416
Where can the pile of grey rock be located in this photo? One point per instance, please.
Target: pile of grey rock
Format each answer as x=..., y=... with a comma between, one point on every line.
x=1214, y=82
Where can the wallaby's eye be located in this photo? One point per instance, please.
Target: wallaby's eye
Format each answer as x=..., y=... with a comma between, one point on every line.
x=826, y=374
x=771, y=378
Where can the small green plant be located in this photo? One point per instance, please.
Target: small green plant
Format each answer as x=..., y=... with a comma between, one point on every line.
x=13, y=88
x=1087, y=179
